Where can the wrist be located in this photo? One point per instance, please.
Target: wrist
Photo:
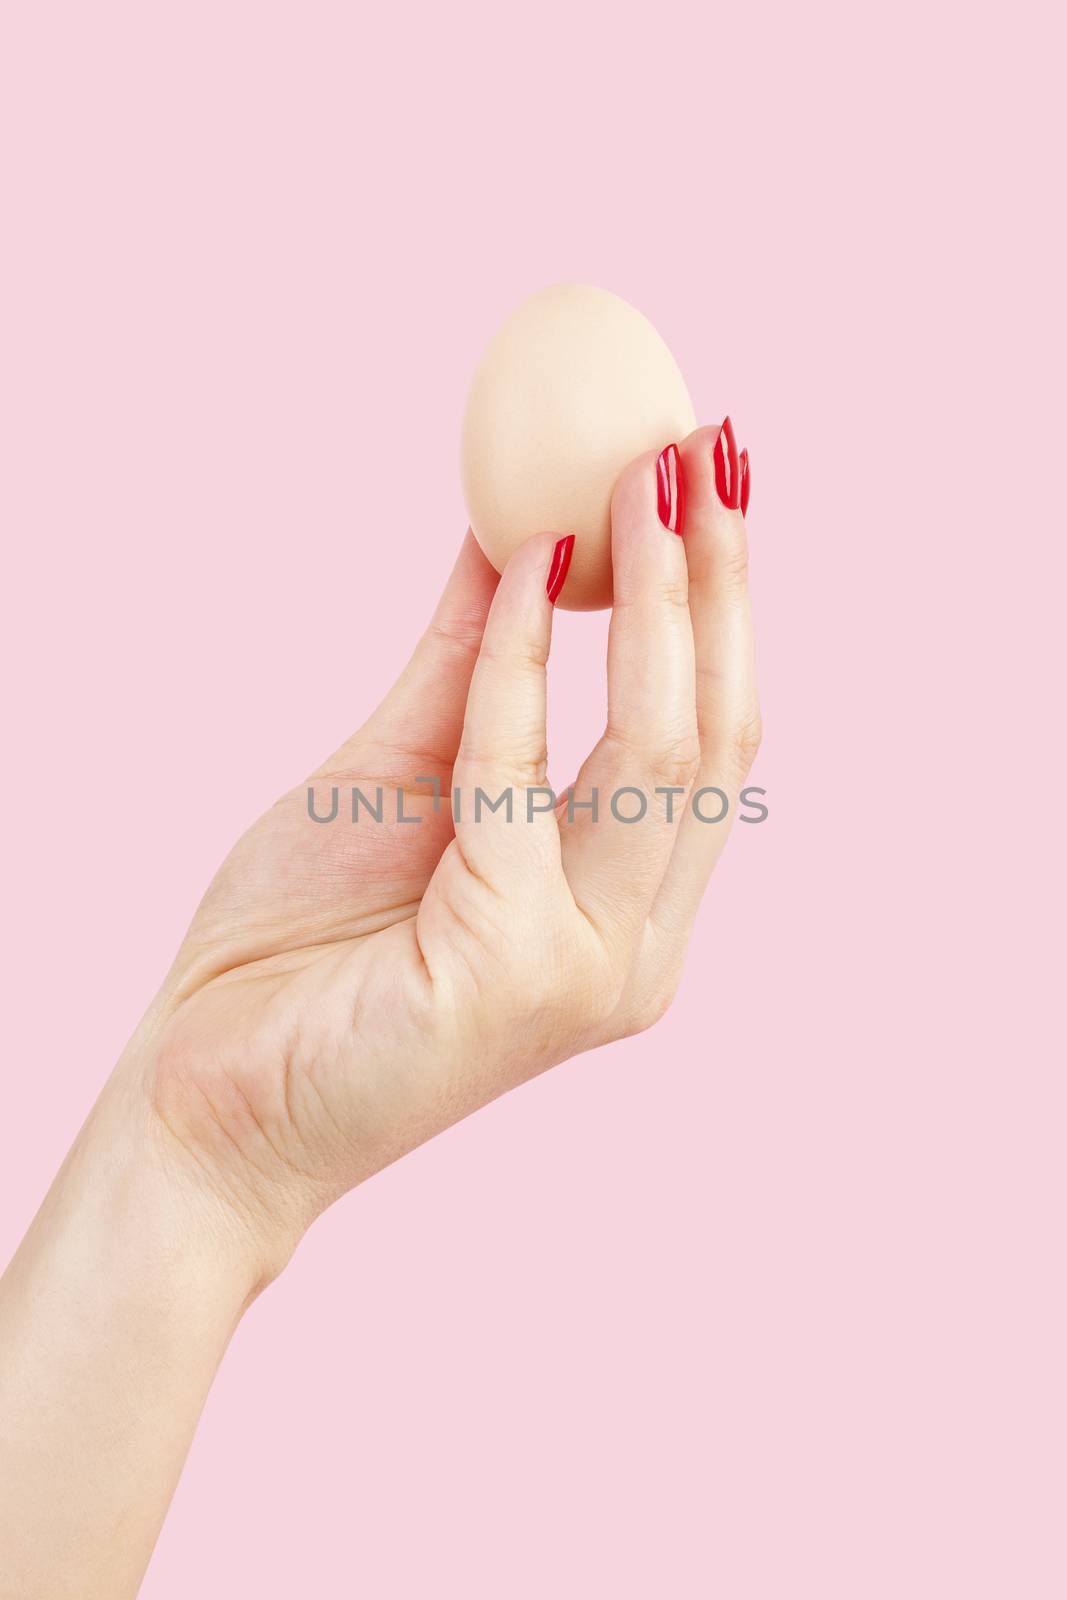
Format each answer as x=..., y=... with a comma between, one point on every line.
x=114, y=1315
x=162, y=1197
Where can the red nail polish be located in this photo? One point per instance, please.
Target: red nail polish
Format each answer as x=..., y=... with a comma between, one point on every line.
x=670, y=489
x=561, y=560
x=746, y=481
x=727, y=475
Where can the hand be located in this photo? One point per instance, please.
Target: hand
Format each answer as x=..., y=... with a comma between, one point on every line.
x=348, y=990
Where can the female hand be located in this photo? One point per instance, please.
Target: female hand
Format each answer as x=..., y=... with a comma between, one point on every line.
x=349, y=989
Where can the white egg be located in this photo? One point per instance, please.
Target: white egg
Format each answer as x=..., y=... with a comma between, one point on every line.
x=571, y=388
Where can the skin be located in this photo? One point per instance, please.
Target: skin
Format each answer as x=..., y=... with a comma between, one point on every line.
x=345, y=993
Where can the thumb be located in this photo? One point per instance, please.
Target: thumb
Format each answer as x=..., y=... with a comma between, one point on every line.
x=419, y=723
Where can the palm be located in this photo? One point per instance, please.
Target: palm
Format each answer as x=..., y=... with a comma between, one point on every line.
x=350, y=986
x=292, y=886
x=295, y=884
x=303, y=916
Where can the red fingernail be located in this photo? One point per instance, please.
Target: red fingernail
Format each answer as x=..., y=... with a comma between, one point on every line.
x=727, y=476
x=746, y=482
x=670, y=489
x=561, y=560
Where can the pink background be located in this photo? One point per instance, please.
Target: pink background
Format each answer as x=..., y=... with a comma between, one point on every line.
x=766, y=1303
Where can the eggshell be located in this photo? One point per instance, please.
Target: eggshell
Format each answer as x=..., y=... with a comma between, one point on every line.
x=571, y=388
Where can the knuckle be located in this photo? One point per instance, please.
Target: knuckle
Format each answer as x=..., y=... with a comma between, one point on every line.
x=678, y=764
x=651, y=1012
x=672, y=761
x=518, y=655
x=732, y=562
x=459, y=633
x=749, y=736
x=668, y=591
x=746, y=739
x=673, y=590
x=503, y=767
x=651, y=1007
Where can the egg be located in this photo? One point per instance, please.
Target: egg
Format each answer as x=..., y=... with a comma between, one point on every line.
x=571, y=388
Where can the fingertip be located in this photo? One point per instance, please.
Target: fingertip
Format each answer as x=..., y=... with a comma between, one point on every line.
x=473, y=559
x=559, y=566
x=717, y=474
x=670, y=489
x=647, y=514
x=464, y=603
x=716, y=540
x=697, y=451
x=727, y=467
x=633, y=499
x=531, y=555
x=522, y=596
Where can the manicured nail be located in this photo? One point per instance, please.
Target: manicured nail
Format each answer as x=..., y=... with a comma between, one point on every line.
x=561, y=560
x=727, y=475
x=746, y=481
x=670, y=489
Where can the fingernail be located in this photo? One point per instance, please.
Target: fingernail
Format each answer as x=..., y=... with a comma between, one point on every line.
x=727, y=476
x=561, y=560
x=746, y=481
x=670, y=489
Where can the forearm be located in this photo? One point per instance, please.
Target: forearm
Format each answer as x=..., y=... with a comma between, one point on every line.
x=114, y=1315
